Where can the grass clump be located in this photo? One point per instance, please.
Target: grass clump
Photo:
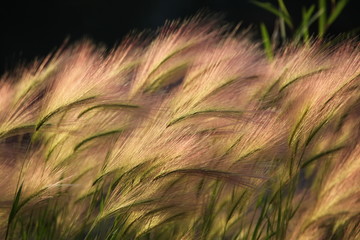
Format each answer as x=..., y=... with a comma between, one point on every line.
x=193, y=136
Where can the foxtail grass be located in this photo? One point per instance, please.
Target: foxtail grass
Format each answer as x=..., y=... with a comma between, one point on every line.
x=193, y=135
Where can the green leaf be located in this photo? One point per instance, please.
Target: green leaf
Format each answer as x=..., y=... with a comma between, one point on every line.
x=283, y=7
x=174, y=53
x=304, y=28
x=167, y=78
x=223, y=86
x=297, y=125
x=235, y=178
x=261, y=218
x=342, y=88
x=266, y=41
x=281, y=14
x=103, y=134
x=237, y=203
x=17, y=205
x=301, y=77
x=61, y=109
x=209, y=113
x=316, y=130
x=336, y=11
x=109, y=106
x=165, y=222
x=322, y=18
x=14, y=209
x=20, y=130
x=320, y=155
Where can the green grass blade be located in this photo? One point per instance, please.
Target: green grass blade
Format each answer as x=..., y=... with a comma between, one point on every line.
x=275, y=84
x=282, y=20
x=14, y=210
x=109, y=106
x=209, y=113
x=341, y=4
x=322, y=18
x=320, y=155
x=174, y=53
x=297, y=125
x=264, y=202
x=61, y=109
x=20, y=130
x=269, y=7
x=266, y=41
x=315, y=131
x=342, y=88
x=223, y=86
x=127, y=207
x=309, y=74
x=161, y=224
x=305, y=25
x=283, y=8
x=234, y=178
x=237, y=203
x=99, y=135
x=247, y=155
x=167, y=78
x=17, y=205
x=280, y=216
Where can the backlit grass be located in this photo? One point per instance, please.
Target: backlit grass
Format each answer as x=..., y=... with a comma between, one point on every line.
x=194, y=135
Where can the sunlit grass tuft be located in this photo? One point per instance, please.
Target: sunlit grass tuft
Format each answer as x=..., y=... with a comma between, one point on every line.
x=194, y=135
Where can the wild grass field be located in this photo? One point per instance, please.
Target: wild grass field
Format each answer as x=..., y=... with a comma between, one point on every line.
x=191, y=134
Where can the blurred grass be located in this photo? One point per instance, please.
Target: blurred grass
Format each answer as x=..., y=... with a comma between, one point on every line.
x=290, y=32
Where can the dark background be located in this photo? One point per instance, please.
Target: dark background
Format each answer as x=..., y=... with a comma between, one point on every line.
x=35, y=28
